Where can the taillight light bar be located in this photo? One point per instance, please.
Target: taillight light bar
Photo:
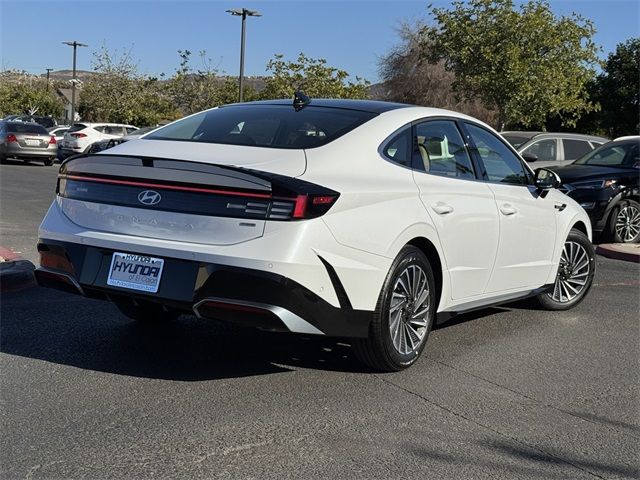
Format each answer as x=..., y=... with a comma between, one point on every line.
x=290, y=199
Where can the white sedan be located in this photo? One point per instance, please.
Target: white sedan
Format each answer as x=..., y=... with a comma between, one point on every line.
x=346, y=218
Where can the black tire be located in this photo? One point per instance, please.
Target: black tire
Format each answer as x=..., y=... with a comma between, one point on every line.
x=147, y=313
x=557, y=299
x=628, y=210
x=378, y=350
x=48, y=162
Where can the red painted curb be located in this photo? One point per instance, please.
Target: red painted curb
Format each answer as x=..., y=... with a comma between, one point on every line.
x=618, y=253
x=9, y=255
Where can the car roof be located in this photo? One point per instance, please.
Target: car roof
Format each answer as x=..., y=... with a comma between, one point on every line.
x=576, y=136
x=371, y=106
x=627, y=137
x=106, y=124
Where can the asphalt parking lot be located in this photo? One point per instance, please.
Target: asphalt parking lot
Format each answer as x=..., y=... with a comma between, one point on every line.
x=509, y=392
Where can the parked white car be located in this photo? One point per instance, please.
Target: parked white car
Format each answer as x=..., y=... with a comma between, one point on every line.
x=81, y=136
x=345, y=218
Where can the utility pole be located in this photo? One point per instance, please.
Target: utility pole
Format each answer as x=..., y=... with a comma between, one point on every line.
x=244, y=13
x=48, y=71
x=75, y=45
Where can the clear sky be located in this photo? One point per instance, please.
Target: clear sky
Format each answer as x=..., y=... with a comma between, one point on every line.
x=350, y=34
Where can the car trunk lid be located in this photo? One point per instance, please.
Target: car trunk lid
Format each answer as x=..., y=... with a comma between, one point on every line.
x=176, y=199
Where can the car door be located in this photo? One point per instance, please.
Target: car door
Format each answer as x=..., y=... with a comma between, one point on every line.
x=527, y=217
x=461, y=206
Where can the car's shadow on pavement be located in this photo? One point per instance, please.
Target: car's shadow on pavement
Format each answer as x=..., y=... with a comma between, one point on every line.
x=70, y=330
x=29, y=163
x=66, y=329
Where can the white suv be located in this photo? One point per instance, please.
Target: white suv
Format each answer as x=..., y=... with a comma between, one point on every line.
x=81, y=136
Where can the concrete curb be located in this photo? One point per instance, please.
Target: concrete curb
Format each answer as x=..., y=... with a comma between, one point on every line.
x=15, y=272
x=620, y=251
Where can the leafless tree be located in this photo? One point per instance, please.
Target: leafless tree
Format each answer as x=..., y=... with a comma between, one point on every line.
x=408, y=77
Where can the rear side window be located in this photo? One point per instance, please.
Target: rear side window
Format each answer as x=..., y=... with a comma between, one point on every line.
x=27, y=128
x=398, y=149
x=441, y=151
x=574, y=149
x=274, y=126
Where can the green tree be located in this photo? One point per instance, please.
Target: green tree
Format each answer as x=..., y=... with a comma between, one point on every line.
x=25, y=94
x=313, y=76
x=121, y=94
x=618, y=90
x=526, y=63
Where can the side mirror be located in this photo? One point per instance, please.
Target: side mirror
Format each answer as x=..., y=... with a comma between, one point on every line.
x=546, y=179
x=529, y=157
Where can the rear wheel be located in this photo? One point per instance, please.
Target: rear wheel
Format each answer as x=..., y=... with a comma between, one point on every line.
x=49, y=161
x=575, y=274
x=147, y=313
x=404, y=314
x=624, y=225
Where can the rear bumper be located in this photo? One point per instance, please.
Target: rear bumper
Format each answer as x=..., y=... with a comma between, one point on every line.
x=255, y=298
x=16, y=151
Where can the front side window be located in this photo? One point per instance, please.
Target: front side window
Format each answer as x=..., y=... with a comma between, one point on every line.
x=274, y=126
x=440, y=150
x=545, y=150
x=500, y=163
x=575, y=148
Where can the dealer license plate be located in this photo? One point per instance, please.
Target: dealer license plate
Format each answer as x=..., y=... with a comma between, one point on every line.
x=136, y=272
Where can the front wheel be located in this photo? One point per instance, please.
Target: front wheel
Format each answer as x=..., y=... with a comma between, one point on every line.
x=404, y=314
x=625, y=222
x=575, y=274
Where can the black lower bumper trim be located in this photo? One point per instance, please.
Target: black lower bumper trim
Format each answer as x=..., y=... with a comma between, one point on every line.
x=186, y=283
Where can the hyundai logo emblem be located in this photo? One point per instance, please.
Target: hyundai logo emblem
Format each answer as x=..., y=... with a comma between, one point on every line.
x=149, y=197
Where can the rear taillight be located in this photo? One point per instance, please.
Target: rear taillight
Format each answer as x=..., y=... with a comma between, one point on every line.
x=312, y=205
x=78, y=135
x=52, y=140
x=11, y=138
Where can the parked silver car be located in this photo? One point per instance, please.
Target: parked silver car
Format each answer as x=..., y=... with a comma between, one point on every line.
x=27, y=141
x=552, y=149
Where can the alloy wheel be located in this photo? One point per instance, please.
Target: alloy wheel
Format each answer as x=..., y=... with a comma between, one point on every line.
x=628, y=223
x=573, y=273
x=409, y=310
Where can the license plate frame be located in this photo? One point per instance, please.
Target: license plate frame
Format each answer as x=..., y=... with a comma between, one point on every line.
x=135, y=272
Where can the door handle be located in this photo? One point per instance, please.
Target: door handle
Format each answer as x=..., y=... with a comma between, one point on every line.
x=442, y=208
x=508, y=209
x=560, y=206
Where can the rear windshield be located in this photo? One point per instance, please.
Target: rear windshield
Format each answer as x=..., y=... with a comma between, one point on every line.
x=516, y=140
x=75, y=127
x=274, y=126
x=27, y=128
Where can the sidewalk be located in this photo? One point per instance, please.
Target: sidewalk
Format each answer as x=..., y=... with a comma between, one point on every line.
x=16, y=273
x=629, y=252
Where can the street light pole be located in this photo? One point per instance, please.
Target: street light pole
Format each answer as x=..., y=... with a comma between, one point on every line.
x=48, y=71
x=75, y=45
x=244, y=13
